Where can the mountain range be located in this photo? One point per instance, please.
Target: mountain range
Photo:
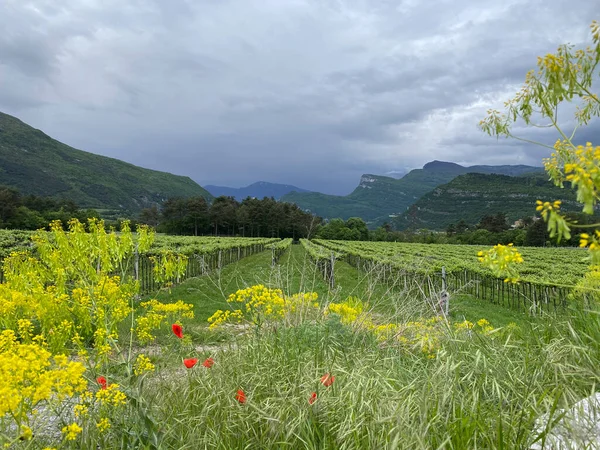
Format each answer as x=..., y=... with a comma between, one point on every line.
x=433, y=197
x=472, y=196
x=259, y=190
x=377, y=198
x=34, y=163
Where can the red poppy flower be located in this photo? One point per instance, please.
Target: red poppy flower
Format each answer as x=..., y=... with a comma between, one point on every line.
x=240, y=396
x=208, y=363
x=313, y=398
x=102, y=382
x=327, y=379
x=177, y=330
x=190, y=362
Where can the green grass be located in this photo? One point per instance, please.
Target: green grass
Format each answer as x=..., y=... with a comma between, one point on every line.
x=466, y=307
x=209, y=293
x=478, y=389
x=295, y=272
x=479, y=392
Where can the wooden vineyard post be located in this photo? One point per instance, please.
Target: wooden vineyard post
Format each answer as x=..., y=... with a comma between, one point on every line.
x=332, y=273
x=444, y=302
x=136, y=264
x=272, y=257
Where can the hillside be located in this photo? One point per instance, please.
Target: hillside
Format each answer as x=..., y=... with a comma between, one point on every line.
x=34, y=163
x=472, y=196
x=258, y=190
x=377, y=197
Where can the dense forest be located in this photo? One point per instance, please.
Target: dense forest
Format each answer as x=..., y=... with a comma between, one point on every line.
x=31, y=212
x=225, y=216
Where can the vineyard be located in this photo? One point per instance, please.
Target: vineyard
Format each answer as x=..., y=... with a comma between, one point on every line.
x=201, y=255
x=328, y=297
x=549, y=266
x=13, y=240
x=547, y=275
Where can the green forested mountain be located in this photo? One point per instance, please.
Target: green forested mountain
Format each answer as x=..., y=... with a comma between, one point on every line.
x=378, y=197
x=34, y=163
x=260, y=189
x=472, y=196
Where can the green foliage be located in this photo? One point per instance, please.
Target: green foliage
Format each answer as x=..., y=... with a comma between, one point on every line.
x=14, y=241
x=226, y=216
x=562, y=78
x=494, y=223
x=549, y=266
x=32, y=212
x=34, y=163
x=191, y=245
x=537, y=235
x=354, y=229
x=479, y=390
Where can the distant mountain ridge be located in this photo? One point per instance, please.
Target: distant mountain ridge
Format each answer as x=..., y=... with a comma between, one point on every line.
x=472, y=196
x=259, y=190
x=34, y=163
x=377, y=198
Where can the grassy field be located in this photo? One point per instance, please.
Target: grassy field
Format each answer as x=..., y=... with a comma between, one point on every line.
x=367, y=364
x=478, y=390
x=296, y=273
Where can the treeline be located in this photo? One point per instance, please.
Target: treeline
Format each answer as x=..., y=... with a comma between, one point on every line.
x=225, y=216
x=252, y=217
x=491, y=230
x=31, y=212
x=353, y=229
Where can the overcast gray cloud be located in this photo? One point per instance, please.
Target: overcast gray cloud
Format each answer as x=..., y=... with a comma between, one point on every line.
x=308, y=92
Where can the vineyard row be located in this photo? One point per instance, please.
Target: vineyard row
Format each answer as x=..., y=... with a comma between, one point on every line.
x=529, y=296
x=208, y=255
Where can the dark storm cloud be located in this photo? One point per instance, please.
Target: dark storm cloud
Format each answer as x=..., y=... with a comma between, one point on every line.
x=307, y=92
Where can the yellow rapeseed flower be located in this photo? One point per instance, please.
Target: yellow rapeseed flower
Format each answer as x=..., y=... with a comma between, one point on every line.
x=103, y=424
x=71, y=431
x=111, y=396
x=142, y=365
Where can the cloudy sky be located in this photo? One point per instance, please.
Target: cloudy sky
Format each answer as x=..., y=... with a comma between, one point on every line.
x=307, y=92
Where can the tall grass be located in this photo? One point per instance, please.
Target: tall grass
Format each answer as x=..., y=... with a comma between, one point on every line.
x=480, y=391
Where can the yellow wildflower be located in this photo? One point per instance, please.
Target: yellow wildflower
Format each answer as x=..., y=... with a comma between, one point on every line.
x=111, y=396
x=142, y=365
x=103, y=424
x=71, y=431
